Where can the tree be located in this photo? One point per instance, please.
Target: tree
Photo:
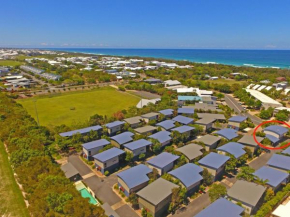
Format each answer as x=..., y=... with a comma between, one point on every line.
x=282, y=116
x=177, y=198
x=269, y=195
x=246, y=173
x=142, y=156
x=231, y=164
x=207, y=177
x=133, y=199
x=217, y=191
x=153, y=176
x=129, y=156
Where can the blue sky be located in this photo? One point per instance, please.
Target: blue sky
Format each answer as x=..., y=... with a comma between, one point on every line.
x=243, y=24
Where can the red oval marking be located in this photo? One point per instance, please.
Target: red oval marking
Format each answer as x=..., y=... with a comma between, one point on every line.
x=266, y=122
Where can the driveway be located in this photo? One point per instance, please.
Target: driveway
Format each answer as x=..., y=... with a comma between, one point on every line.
x=126, y=211
x=79, y=165
x=262, y=160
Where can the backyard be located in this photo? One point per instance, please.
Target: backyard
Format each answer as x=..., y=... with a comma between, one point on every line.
x=11, y=199
x=67, y=108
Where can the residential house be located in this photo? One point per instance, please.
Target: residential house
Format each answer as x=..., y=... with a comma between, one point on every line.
x=185, y=111
x=227, y=133
x=156, y=197
x=137, y=147
x=275, y=133
x=153, y=81
x=235, y=122
x=249, y=142
x=232, y=148
x=249, y=194
x=189, y=98
x=121, y=139
x=163, y=137
x=168, y=113
x=183, y=120
x=206, y=123
x=150, y=117
x=222, y=208
x=279, y=162
x=92, y=148
x=218, y=117
x=71, y=172
x=145, y=130
x=108, y=160
x=134, y=122
x=166, y=125
x=115, y=127
x=189, y=175
x=275, y=178
x=133, y=179
x=210, y=141
x=163, y=162
x=215, y=164
x=171, y=83
x=146, y=102
x=184, y=130
x=191, y=151
x=83, y=131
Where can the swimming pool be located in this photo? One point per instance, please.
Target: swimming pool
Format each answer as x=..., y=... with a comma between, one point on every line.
x=86, y=194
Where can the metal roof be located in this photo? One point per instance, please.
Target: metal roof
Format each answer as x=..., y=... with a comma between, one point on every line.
x=162, y=136
x=276, y=129
x=214, y=160
x=191, y=151
x=189, y=98
x=272, y=138
x=188, y=174
x=238, y=119
x=157, y=191
x=137, y=144
x=145, y=129
x=205, y=120
x=208, y=139
x=166, y=112
x=81, y=131
x=249, y=140
x=162, y=160
x=95, y=144
x=183, y=129
x=123, y=138
x=247, y=192
x=286, y=151
x=133, y=120
x=185, y=111
x=279, y=161
x=69, y=170
x=167, y=124
x=135, y=175
x=183, y=120
x=222, y=208
x=233, y=148
x=149, y=115
x=274, y=177
x=227, y=133
x=108, y=154
x=114, y=124
x=210, y=115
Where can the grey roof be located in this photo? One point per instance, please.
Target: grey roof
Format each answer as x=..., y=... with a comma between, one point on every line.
x=137, y=144
x=152, y=80
x=277, y=129
x=204, y=106
x=205, y=120
x=249, y=140
x=183, y=120
x=109, y=211
x=162, y=136
x=233, y=148
x=274, y=177
x=227, y=133
x=210, y=115
x=135, y=175
x=246, y=192
x=208, y=139
x=133, y=120
x=191, y=151
x=95, y=144
x=81, y=131
x=123, y=138
x=69, y=170
x=214, y=160
x=221, y=208
x=238, y=119
x=167, y=124
x=185, y=111
x=188, y=174
x=145, y=129
x=162, y=160
x=108, y=154
x=279, y=161
x=166, y=112
x=157, y=191
x=150, y=115
x=183, y=129
x=114, y=124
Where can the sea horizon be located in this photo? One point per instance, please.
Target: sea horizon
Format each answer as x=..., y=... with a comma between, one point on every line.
x=236, y=57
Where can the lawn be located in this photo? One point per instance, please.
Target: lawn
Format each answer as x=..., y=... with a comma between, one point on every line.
x=11, y=200
x=68, y=108
x=226, y=81
x=10, y=63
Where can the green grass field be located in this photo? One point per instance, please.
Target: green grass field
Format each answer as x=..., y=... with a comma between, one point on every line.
x=226, y=81
x=10, y=63
x=55, y=110
x=11, y=200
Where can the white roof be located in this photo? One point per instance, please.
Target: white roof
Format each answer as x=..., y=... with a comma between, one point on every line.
x=287, y=90
x=204, y=92
x=269, y=88
x=249, y=86
x=256, y=86
x=282, y=210
x=279, y=88
x=172, y=82
x=145, y=102
x=262, y=97
x=186, y=90
x=282, y=108
x=261, y=88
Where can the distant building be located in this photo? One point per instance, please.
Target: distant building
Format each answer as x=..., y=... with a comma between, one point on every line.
x=171, y=83
x=167, y=112
x=183, y=120
x=92, y=148
x=153, y=81
x=235, y=121
x=146, y=130
x=184, y=130
x=227, y=133
x=134, y=122
x=185, y=111
x=115, y=127
x=191, y=151
x=71, y=172
x=206, y=123
x=137, y=147
x=83, y=131
x=210, y=141
x=121, y=139
x=163, y=137
x=166, y=125
x=249, y=142
x=232, y=148
x=163, y=162
x=146, y=102
x=150, y=116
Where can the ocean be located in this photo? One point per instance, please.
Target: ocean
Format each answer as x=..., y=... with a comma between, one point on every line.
x=250, y=58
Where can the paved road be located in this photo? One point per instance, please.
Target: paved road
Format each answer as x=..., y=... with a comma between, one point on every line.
x=79, y=165
x=262, y=160
x=126, y=211
x=234, y=104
